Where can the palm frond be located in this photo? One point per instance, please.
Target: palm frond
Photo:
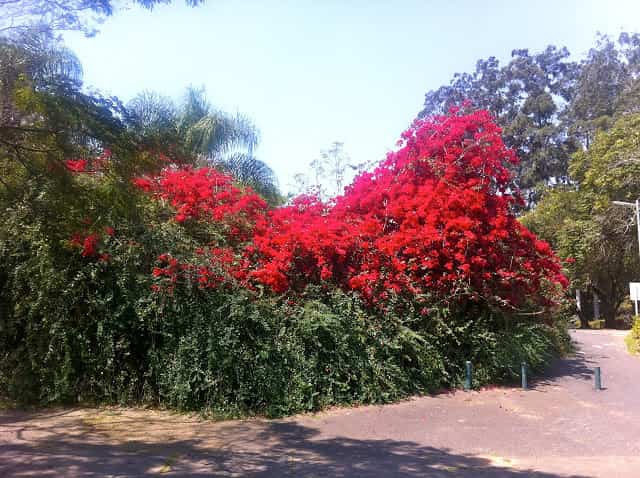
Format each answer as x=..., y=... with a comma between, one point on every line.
x=218, y=133
x=251, y=172
x=153, y=114
x=194, y=107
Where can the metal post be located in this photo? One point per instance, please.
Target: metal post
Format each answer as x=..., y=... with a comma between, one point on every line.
x=523, y=369
x=598, y=379
x=468, y=378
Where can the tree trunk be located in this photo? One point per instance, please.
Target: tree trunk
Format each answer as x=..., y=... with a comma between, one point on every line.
x=585, y=313
x=609, y=311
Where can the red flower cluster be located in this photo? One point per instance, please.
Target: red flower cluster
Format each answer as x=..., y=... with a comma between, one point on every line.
x=206, y=193
x=76, y=165
x=89, y=243
x=85, y=166
x=436, y=217
x=218, y=266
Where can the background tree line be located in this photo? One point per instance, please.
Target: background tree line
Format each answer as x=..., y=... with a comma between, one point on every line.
x=574, y=125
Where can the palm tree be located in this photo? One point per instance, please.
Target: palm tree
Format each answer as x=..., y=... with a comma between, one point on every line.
x=212, y=133
x=214, y=137
x=252, y=172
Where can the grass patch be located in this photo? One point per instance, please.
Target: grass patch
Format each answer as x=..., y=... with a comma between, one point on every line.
x=596, y=324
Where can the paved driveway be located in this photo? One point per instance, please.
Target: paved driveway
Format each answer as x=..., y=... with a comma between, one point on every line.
x=560, y=428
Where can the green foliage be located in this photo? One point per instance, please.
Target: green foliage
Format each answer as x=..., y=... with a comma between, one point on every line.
x=70, y=325
x=60, y=15
x=549, y=106
x=633, y=338
x=94, y=328
x=582, y=223
x=75, y=330
x=273, y=357
x=495, y=344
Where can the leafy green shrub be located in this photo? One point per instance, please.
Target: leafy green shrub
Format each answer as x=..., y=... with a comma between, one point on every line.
x=238, y=355
x=596, y=324
x=633, y=337
x=495, y=347
x=79, y=330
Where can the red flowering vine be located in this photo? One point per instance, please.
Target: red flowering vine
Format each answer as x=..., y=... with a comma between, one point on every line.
x=436, y=217
x=89, y=243
x=209, y=194
x=82, y=165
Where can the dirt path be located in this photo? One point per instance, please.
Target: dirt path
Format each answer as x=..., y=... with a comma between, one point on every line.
x=560, y=428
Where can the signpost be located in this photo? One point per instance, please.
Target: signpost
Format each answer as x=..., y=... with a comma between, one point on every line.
x=634, y=292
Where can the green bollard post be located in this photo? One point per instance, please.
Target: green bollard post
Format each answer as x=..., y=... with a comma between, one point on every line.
x=468, y=378
x=598, y=379
x=523, y=369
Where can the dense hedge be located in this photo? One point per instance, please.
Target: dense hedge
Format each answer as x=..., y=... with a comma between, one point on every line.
x=84, y=331
x=177, y=286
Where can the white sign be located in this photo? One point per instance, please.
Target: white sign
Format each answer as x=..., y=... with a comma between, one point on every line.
x=634, y=290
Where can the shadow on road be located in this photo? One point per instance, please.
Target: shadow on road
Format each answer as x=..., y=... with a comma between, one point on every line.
x=264, y=450
x=576, y=366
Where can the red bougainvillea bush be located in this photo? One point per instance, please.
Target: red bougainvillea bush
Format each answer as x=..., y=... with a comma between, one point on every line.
x=185, y=288
x=435, y=219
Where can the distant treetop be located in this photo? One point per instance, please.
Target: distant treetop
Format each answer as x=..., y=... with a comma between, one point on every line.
x=65, y=15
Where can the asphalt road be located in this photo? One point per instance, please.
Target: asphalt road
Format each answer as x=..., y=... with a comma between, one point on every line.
x=561, y=427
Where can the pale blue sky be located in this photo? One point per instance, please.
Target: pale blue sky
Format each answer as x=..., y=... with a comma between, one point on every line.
x=312, y=72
